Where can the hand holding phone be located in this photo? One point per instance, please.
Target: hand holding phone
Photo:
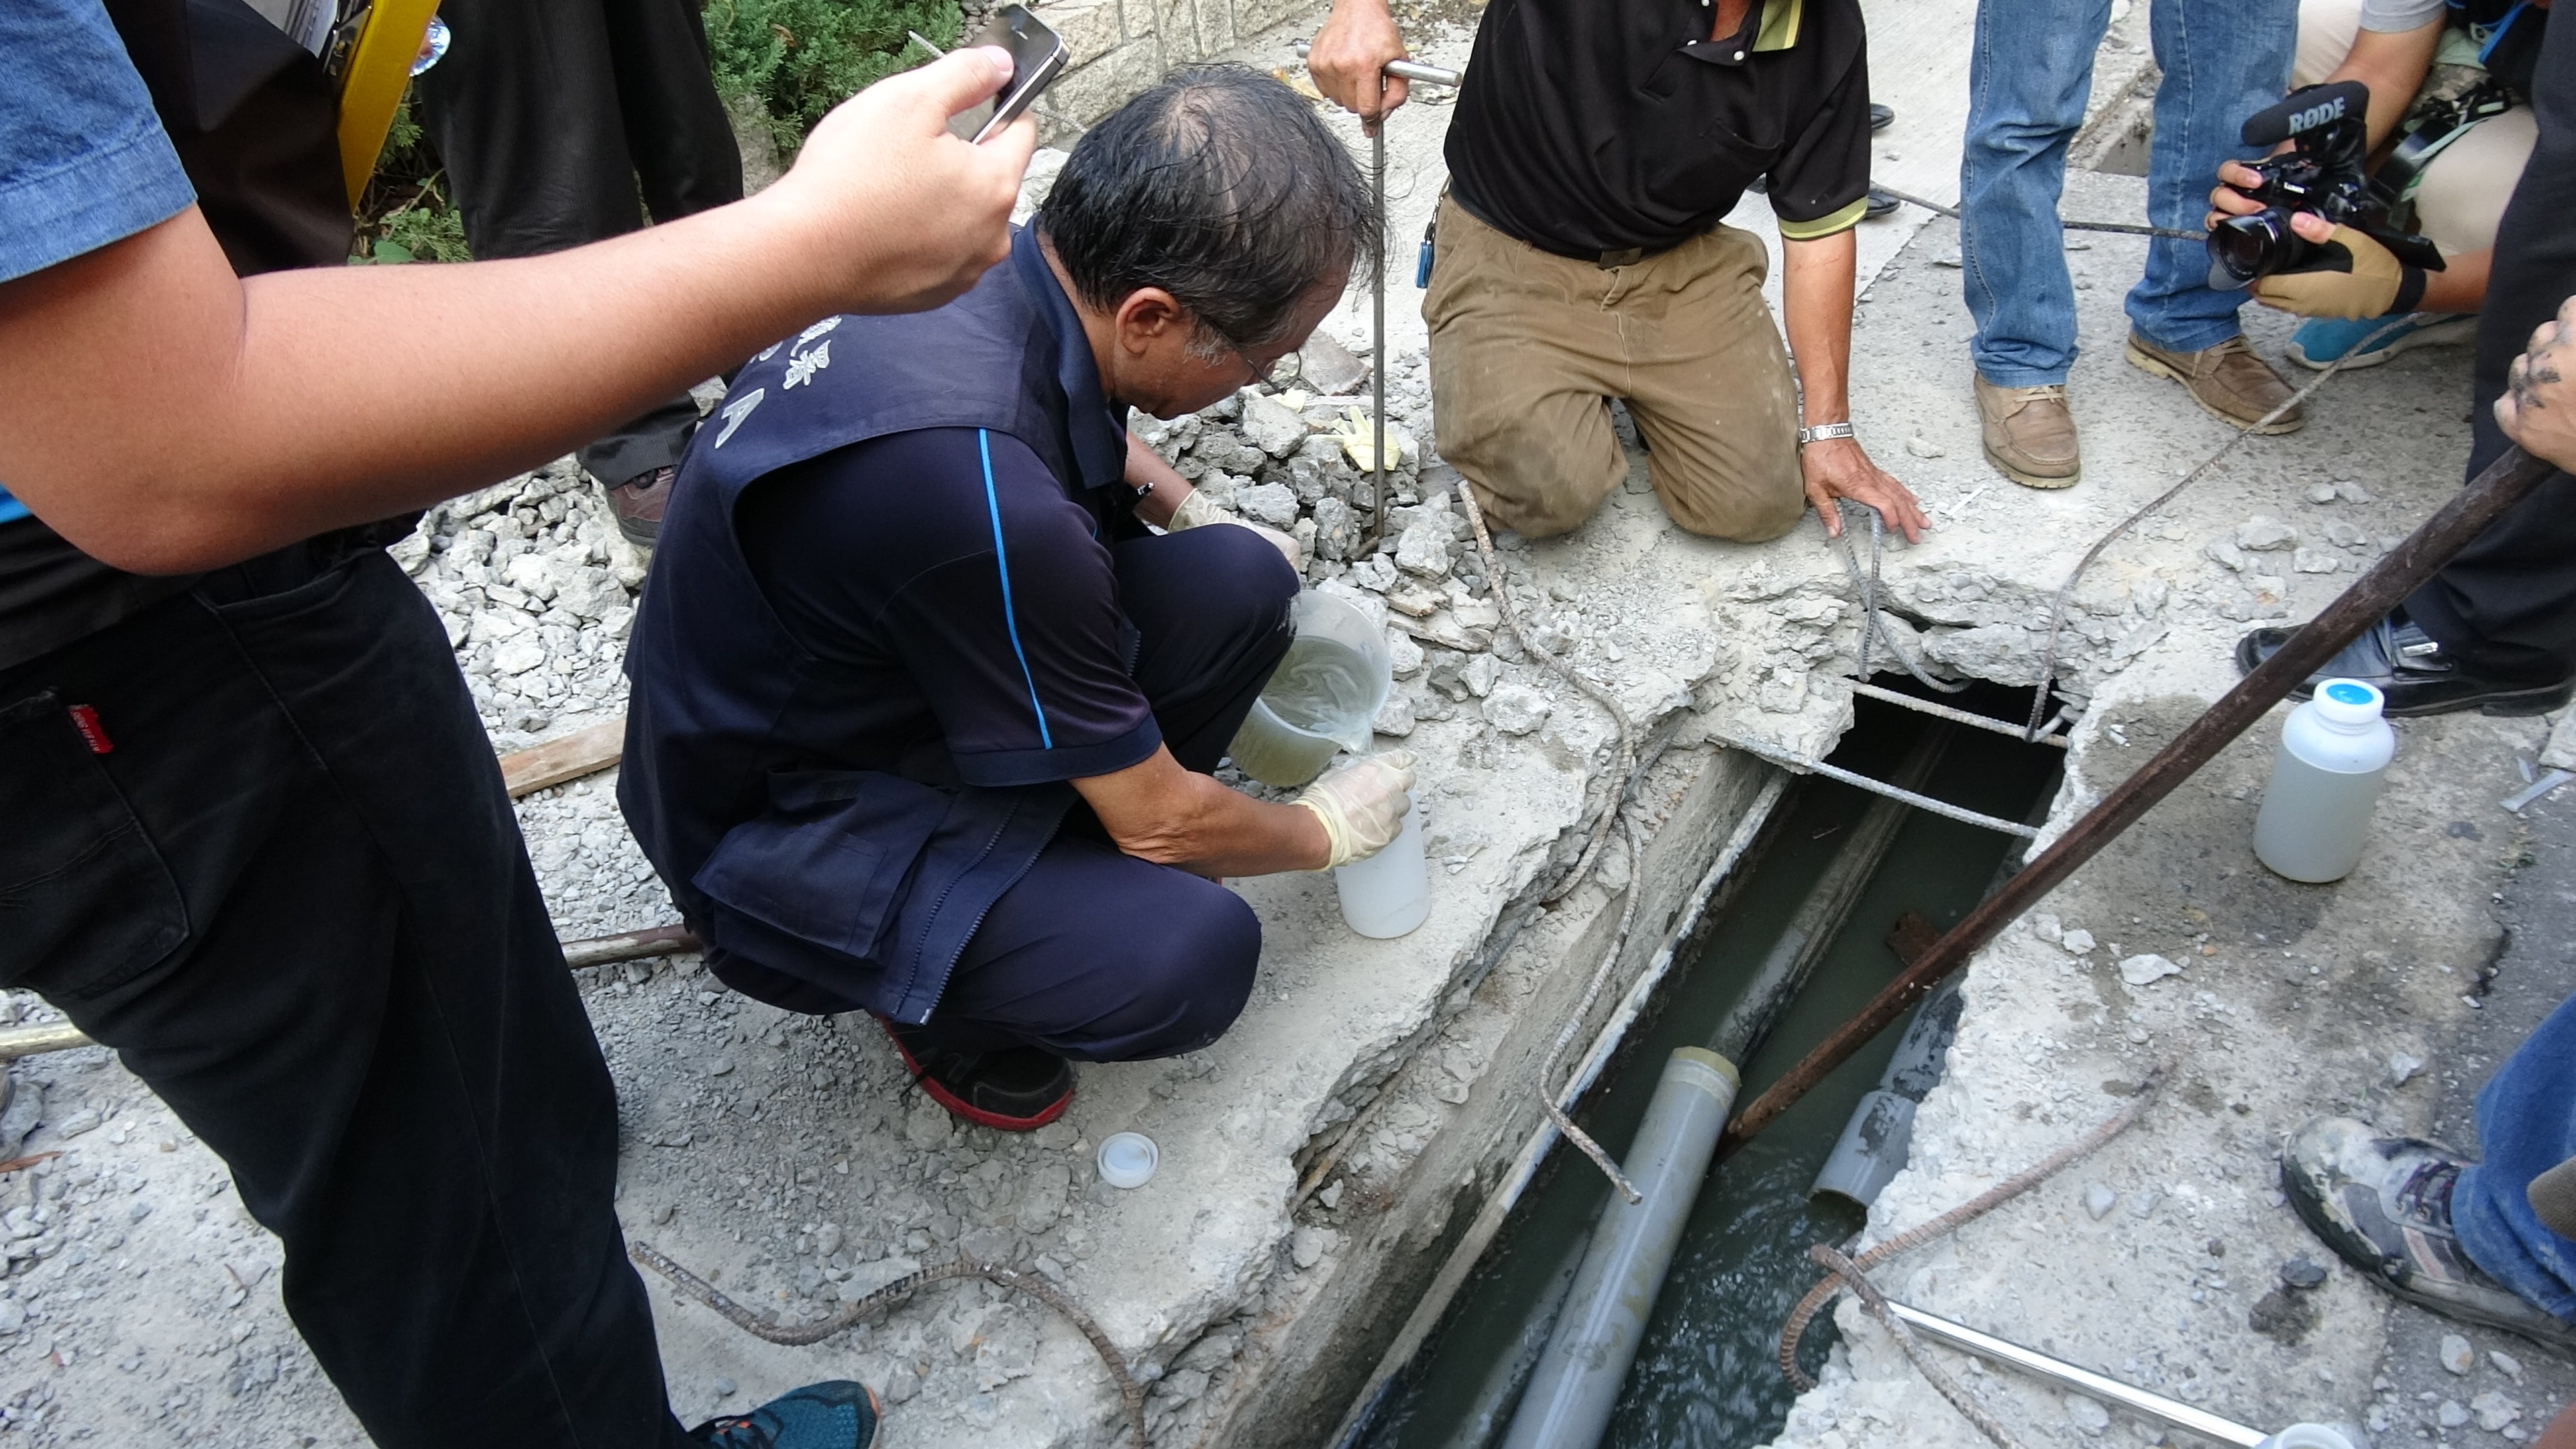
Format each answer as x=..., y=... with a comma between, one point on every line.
x=1038, y=56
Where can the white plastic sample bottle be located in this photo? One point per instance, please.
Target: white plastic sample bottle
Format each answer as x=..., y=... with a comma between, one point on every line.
x=2333, y=760
x=1389, y=893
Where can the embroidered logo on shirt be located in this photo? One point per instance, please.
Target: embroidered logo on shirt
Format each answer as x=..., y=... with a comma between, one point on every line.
x=801, y=366
x=735, y=411
x=817, y=330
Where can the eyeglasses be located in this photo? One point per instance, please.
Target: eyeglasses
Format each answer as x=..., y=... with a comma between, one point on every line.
x=1257, y=371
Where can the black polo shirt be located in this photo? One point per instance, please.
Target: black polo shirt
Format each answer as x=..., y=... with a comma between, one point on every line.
x=1593, y=126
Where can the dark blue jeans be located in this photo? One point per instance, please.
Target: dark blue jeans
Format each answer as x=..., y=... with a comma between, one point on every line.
x=2526, y=1126
x=2028, y=82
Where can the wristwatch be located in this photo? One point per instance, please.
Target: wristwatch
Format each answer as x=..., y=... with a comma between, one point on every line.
x=1822, y=431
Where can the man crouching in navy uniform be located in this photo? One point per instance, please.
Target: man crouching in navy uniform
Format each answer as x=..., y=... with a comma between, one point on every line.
x=922, y=712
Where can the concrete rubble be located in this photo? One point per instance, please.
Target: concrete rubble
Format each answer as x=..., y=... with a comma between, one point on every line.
x=786, y=1158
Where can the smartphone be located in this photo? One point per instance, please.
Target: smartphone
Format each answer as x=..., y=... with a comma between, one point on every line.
x=1038, y=56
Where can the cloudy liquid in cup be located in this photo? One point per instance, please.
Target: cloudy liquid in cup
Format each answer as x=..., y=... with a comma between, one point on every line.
x=1323, y=697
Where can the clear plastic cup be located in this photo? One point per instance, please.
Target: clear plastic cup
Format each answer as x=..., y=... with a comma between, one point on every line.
x=1324, y=696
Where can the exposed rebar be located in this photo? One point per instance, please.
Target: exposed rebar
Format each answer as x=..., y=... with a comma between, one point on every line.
x=1131, y=1394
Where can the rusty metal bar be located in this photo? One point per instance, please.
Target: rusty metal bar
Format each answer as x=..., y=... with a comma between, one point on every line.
x=2504, y=483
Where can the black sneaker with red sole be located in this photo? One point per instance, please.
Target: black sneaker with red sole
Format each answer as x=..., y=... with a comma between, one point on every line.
x=1016, y=1089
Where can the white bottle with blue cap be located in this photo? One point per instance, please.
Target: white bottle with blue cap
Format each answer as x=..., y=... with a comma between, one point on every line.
x=2334, y=759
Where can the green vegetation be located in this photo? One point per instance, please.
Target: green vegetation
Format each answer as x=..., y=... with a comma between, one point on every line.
x=800, y=58
x=407, y=215
x=797, y=58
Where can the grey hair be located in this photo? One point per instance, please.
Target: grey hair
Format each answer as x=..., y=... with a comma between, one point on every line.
x=1220, y=186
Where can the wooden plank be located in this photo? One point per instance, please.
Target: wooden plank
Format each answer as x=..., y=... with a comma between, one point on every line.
x=583, y=752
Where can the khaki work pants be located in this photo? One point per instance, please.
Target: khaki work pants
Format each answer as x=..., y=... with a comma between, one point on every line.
x=1528, y=347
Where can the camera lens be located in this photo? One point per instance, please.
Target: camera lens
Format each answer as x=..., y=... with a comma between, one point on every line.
x=2247, y=247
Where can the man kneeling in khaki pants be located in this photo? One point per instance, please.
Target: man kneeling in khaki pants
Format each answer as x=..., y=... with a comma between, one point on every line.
x=1581, y=258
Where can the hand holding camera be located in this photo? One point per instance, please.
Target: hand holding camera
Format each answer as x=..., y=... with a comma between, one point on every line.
x=2308, y=228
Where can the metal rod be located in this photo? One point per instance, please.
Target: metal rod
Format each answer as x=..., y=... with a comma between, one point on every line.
x=630, y=946
x=1943, y=711
x=1406, y=70
x=1789, y=760
x=2083, y=1380
x=56, y=1036
x=1377, y=342
x=53, y=1036
x=2504, y=483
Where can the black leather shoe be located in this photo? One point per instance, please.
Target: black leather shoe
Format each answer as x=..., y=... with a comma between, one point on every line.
x=2411, y=671
x=1881, y=117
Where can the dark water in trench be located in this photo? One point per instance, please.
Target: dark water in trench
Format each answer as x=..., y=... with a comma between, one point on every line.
x=1705, y=1377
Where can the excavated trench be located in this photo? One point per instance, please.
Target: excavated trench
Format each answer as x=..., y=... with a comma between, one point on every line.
x=1704, y=1374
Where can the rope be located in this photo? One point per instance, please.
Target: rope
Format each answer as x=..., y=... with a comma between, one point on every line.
x=1871, y=628
x=1130, y=1393
x=2120, y=228
x=1847, y=1272
x=1795, y=1327
x=1628, y=771
x=2066, y=591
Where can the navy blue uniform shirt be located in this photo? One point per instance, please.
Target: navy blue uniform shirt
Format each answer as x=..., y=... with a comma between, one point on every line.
x=951, y=592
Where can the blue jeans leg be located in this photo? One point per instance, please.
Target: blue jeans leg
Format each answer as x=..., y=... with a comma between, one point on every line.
x=2526, y=1126
x=2028, y=80
x=2223, y=60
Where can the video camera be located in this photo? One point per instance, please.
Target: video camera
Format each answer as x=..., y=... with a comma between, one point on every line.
x=2323, y=171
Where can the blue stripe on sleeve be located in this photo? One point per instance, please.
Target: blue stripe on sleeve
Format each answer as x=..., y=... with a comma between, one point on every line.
x=11, y=510
x=1002, y=563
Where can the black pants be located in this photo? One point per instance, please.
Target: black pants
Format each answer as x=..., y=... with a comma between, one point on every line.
x=257, y=842
x=1102, y=956
x=549, y=115
x=2507, y=603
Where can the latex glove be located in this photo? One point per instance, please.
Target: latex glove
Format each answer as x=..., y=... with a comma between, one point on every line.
x=1195, y=510
x=1362, y=804
x=2354, y=277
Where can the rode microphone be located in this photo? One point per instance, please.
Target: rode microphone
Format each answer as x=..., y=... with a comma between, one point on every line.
x=2311, y=108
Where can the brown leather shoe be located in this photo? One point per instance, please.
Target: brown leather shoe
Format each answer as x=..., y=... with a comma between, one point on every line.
x=2228, y=380
x=2030, y=434
x=638, y=503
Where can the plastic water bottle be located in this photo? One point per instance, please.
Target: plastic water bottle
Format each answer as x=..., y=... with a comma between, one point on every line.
x=1389, y=893
x=2333, y=761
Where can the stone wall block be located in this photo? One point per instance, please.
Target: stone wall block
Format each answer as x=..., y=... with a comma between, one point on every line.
x=1252, y=17
x=1095, y=88
x=1091, y=28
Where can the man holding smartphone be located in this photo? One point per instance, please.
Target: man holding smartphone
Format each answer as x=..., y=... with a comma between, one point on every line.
x=1582, y=255
x=252, y=835
x=924, y=715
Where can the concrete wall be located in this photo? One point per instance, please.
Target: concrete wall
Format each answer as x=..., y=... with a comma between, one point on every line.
x=1309, y=1365
x=1122, y=46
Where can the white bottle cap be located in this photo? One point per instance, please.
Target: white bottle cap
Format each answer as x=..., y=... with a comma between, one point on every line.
x=2347, y=702
x=1127, y=1159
